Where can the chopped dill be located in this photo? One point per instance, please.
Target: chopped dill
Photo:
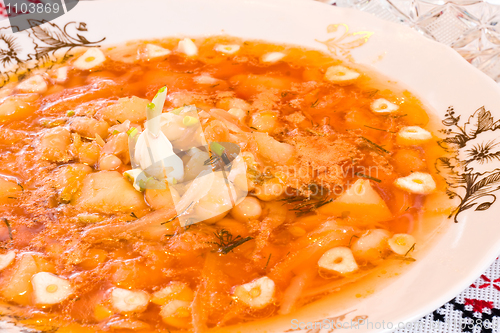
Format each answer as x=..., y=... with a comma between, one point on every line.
x=359, y=174
x=133, y=215
x=119, y=122
x=9, y=228
x=373, y=93
x=376, y=145
x=309, y=205
x=214, y=159
x=379, y=129
x=314, y=132
x=304, y=205
x=215, y=85
x=21, y=186
x=411, y=249
x=227, y=242
x=267, y=263
x=11, y=198
x=178, y=215
x=315, y=103
x=350, y=240
x=253, y=128
x=400, y=115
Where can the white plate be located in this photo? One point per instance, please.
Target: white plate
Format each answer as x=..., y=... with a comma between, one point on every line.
x=435, y=73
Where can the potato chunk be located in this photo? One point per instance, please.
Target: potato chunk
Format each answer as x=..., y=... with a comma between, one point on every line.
x=89, y=127
x=108, y=192
x=128, y=108
x=53, y=145
x=68, y=179
x=360, y=201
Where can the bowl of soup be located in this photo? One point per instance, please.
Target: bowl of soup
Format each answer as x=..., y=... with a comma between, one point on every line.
x=239, y=167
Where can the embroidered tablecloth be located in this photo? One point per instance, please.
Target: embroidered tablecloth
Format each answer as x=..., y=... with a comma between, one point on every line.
x=475, y=310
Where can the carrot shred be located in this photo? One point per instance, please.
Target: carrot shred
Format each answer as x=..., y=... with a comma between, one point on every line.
x=112, y=230
x=310, y=253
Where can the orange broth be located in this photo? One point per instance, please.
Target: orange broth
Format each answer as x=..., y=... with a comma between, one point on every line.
x=47, y=222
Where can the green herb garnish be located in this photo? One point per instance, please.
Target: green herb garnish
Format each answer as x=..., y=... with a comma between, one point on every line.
x=189, y=121
x=372, y=93
x=376, y=145
x=379, y=129
x=309, y=205
x=411, y=249
x=268, y=258
x=350, y=240
x=9, y=228
x=359, y=174
x=213, y=160
x=178, y=215
x=132, y=132
x=316, y=102
x=70, y=113
x=314, y=132
x=227, y=242
x=217, y=148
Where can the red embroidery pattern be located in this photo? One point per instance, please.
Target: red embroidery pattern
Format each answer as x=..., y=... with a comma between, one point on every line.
x=487, y=283
x=478, y=304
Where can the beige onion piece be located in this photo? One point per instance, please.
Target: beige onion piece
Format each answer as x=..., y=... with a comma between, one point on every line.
x=417, y=182
x=50, y=289
x=372, y=245
x=341, y=75
x=91, y=59
x=339, y=260
x=33, y=84
x=125, y=301
x=257, y=294
x=153, y=51
x=272, y=57
x=401, y=243
x=383, y=106
x=227, y=49
x=413, y=135
x=188, y=47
